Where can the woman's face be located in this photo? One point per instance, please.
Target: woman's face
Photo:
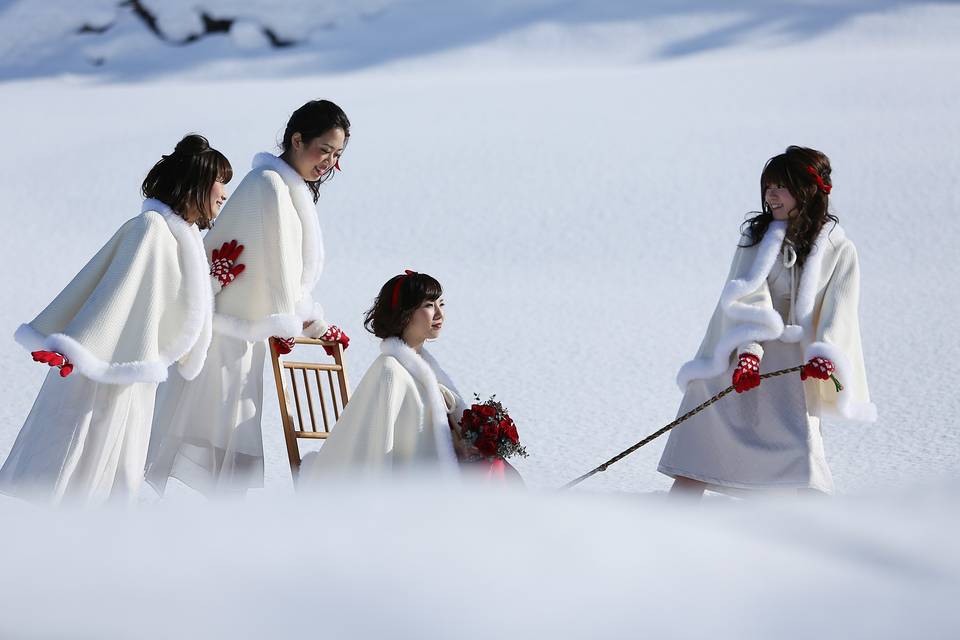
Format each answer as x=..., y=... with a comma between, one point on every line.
x=425, y=323
x=313, y=159
x=780, y=201
x=218, y=195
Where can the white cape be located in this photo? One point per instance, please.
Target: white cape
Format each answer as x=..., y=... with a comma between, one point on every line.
x=827, y=314
x=143, y=302
x=397, y=419
x=273, y=216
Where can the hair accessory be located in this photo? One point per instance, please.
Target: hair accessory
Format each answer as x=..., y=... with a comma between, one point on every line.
x=826, y=188
x=395, y=300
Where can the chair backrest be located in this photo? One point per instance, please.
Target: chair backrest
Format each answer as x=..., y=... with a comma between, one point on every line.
x=312, y=395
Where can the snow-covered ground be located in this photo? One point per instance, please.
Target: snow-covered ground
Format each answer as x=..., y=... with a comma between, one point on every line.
x=574, y=173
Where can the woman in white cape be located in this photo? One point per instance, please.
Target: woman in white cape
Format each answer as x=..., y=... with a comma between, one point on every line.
x=402, y=417
x=791, y=297
x=141, y=304
x=206, y=431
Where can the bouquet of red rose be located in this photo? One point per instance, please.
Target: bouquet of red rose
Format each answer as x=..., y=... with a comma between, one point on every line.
x=490, y=429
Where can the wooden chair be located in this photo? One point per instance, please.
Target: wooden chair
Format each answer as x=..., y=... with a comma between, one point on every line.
x=308, y=398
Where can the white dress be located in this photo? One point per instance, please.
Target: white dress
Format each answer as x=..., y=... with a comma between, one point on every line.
x=141, y=303
x=206, y=432
x=766, y=438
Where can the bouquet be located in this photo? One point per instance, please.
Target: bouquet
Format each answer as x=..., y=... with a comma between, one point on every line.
x=490, y=429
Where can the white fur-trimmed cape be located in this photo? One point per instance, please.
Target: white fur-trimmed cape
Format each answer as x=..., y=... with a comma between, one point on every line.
x=272, y=214
x=826, y=309
x=396, y=420
x=143, y=302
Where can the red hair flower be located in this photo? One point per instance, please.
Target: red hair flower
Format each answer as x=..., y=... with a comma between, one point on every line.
x=826, y=188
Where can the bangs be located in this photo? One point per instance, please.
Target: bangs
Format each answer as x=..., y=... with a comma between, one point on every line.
x=776, y=172
x=426, y=288
x=223, y=168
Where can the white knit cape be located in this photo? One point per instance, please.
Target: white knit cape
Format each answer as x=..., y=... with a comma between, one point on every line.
x=396, y=419
x=143, y=302
x=272, y=214
x=826, y=309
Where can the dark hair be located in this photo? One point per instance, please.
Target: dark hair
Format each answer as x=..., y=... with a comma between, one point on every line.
x=186, y=176
x=386, y=320
x=312, y=120
x=792, y=169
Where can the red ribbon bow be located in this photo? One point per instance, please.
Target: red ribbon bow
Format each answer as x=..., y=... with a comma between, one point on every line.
x=820, y=183
x=395, y=300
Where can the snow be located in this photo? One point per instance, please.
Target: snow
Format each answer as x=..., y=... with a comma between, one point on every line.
x=574, y=173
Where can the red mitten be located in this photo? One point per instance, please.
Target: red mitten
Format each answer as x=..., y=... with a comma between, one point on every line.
x=54, y=359
x=223, y=265
x=335, y=334
x=284, y=345
x=819, y=368
x=747, y=374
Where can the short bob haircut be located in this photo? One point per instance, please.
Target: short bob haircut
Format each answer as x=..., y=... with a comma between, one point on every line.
x=183, y=179
x=399, y=297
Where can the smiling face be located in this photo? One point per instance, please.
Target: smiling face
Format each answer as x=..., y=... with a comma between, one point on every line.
x=425, y=323
x=779, y=201
x=315, y=158
x=218, y=195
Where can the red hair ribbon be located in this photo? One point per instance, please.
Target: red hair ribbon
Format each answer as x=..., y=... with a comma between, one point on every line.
x=820, y=183
x=395, y=300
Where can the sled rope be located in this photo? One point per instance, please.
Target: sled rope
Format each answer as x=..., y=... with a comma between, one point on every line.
x=657, y=434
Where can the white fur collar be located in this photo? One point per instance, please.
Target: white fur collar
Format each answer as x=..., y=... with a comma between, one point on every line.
x=426, y=371
x=196, y=289
x=313, y=252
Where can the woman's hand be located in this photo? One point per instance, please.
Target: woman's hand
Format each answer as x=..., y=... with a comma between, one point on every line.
x=747, y=374
x=283, y=345
x=54, y=359
x=223, y=266
x=819, y=368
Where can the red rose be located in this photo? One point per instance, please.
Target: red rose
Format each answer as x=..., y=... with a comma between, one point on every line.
x=487, y=447
x=490, y=430
x=487, y=411
x=510, y=431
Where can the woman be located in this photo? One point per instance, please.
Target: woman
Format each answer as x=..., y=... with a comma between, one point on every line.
x=791, y=297
x=142, y=303
x=403, y=414
x=207, y=431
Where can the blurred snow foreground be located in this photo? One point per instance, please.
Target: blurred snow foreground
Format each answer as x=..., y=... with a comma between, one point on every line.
x=422, y=560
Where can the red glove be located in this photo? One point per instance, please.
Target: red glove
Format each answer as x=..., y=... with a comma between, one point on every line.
x=335, y=334
x=747, y=374
x=284, y=345
x=819, y=368
x=54, y=359
x=222, y=266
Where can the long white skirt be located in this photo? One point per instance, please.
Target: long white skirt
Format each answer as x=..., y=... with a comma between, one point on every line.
x=206, y=431
x=84, y=442
x=765, y=438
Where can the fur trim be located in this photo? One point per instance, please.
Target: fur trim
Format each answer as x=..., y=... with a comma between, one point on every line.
x=846, y=408
x=313, y=252
x=87, y=364
x=195, y=287
x=757, y=325
x=810, y=277
x=425, y=370
x=283, y=325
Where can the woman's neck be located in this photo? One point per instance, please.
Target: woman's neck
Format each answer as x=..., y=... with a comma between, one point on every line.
x=416, y=345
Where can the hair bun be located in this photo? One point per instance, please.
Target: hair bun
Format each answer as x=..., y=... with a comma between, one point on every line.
x=191, y=144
